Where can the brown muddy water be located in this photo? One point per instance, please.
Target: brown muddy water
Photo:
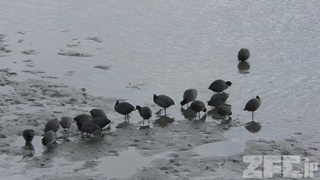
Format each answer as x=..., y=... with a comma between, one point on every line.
x=65, y=58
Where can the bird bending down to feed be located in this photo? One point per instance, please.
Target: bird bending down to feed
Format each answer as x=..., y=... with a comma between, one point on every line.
x=188, y=96
x=198, y=106
x=217, y=100
x=145, y=112
x=225, y=111
x=97, y=113
x=88, y=128
x=49, y=138
x=66, y=122
x=82, y=118
x=52, y=124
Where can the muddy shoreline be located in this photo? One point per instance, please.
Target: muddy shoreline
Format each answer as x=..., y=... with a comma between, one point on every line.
x=169, y=150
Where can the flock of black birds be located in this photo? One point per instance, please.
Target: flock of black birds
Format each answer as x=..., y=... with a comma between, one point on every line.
x=97, y=121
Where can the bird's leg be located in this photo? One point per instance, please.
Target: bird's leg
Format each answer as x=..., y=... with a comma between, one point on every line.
x=199, y=116
x=101, y=133
x=67, y=135
x=165, y=111
x=252, y=116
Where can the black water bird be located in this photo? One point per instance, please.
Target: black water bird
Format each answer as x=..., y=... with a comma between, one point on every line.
x=97, y=113
x=124, y=108
x=163, y=101
x=28, y=135
x=252, y=105
x=52, y=124
x=219, y=85
x=198, y=106
x=66, y=122
x=217, y=100
x=189, y=95
x=243, y=54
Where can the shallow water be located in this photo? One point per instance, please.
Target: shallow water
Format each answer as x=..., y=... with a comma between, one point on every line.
x=221, y=148
x=122, y=165
x=152, y=47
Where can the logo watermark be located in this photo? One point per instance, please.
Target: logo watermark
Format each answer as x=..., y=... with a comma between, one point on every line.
x=278, y=164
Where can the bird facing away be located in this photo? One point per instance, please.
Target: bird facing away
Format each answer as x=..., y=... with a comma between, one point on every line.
x=163, y=101
x=66, y=122
x=124, y=108
x=97, y=113
x=188, y=96
x=252, y=105
x=219, y=85
x=198, y=106
x=224, y=111
x=28, y=135
x=52, y=124
x=49, y=138
x=243, y=54
x=217, y=100
x=82, y=118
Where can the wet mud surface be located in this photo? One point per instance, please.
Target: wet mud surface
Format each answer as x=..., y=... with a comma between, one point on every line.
x=165, y=148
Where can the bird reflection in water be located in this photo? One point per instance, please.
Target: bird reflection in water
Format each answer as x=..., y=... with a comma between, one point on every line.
x=243, y=67
x=143, y=125
x=190, y=114
x=28, y=150
x=222, y=112
x=124, y=125
x=163, y=121
x=253, y=126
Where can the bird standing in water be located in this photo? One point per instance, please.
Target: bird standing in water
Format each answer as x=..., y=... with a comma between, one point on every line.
x=198, y=106
x=188, y=96
x=145, y=112
x=243, y=54
x=219, y=85
x=252, y=105
x=124, y=108
x=163, y=101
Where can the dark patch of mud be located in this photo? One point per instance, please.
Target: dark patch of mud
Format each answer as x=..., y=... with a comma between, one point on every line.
x=135, y=86
x=33, y=71
x=96, y=39
x=74, y=53
x=103, y=67
x=30, y=52
x=3, y=47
